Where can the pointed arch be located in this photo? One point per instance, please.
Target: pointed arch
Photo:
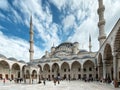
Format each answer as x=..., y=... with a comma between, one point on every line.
x=65, y=64
x=16, y=70
x=34, y=74
x=75, y=64
x=46, y=67
x=107, y=52
x=4, y=69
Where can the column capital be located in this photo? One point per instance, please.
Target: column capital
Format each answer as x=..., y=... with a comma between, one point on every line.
x=114, y=53
x=104, y=61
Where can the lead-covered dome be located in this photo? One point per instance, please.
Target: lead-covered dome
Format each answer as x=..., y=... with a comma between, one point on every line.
x=66, y=44
x=64, y=47
x=12, y=59
x=2, y=56
x=21, y=61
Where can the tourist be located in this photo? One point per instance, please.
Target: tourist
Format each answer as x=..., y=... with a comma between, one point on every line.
x=58, y=82
x=54, y=81
x=32, y=81
x=4, y=80
x=44, y=81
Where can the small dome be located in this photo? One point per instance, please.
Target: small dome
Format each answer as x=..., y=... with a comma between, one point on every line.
x=43, y=56
x=2, y=56
x=86, y=56
x=21, y=61
x=12, y=59
x=75, y=58
x=83, y=50
x=76, y=42
x=30, y=64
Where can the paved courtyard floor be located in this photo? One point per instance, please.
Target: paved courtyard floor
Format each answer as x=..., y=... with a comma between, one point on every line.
x=64, y=85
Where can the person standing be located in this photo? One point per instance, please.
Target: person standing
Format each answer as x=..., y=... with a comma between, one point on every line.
x=54, y=82
x=4, y=80
x=44, y=81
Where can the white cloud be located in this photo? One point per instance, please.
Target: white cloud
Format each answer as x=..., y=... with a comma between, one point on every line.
x=42, y=21
x=59, y=3
x=4, y=4
x=112, y=13
x=86, y=14
x=17, y=48
x=68, y=21
x=16, y=17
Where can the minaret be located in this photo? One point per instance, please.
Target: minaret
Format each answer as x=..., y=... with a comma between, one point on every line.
x=90, y=45
x=101, y=23
x=31, y=50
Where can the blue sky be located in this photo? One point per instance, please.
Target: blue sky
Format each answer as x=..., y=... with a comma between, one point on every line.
x=54, y=21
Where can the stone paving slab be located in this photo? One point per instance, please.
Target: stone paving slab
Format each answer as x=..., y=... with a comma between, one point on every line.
x=64, y=85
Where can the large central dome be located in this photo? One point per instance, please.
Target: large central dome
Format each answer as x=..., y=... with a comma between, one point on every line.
x=65, y=48
x=66, y=44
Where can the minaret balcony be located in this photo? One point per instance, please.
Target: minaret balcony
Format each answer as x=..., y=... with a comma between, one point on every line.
x=101, y=9
x=31, y=50
x=101, y=22
x=101, y=37
x=31, y=41
x=31, y=32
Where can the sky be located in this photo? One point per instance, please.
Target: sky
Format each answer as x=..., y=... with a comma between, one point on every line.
x=54, y=22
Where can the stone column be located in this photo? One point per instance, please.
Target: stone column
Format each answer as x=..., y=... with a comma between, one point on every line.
x=30, y=75
x=94, y=73
x=24, y=76
x=99, y=76
x=21, y=73
x=115, y=71
x=115, y=67
x=30, y=78
x=39, y=73
x=82, y=73
x=104, y=69
x=10, y=73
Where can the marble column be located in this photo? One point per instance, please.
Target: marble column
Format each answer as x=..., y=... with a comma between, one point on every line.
x=99, y=76
x=115, y=67
x=10, y=73
x=104, y=69
x=21, y=73
x=95, y=73
x=30, y=78
x=82, y=72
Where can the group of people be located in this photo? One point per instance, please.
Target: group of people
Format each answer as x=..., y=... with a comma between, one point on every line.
x=55, y=80
x=18, y=80
x=88, y=79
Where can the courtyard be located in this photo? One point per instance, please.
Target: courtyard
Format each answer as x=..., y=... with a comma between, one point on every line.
x=64, y=85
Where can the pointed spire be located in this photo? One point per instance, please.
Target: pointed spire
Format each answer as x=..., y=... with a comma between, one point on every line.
x=90, y=45
x=89, y=38
x=53, y=44
x=31, y=20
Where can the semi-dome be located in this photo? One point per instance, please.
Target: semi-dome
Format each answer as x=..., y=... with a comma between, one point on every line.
x=64, y=49
x=87, y=56
x=12, y=59
x=21, y=61
x=83, y=50
x=2, y=56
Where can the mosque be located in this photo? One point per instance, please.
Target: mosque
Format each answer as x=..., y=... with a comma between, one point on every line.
x=68, y=61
